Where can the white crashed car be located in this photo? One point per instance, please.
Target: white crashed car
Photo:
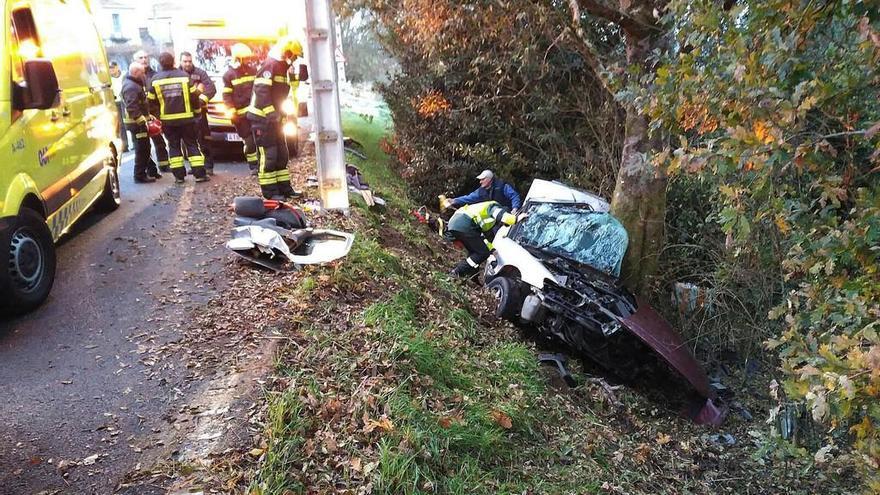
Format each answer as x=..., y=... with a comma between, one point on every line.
x=557, y=271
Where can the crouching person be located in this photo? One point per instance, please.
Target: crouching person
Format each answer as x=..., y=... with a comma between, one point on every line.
x=474, y=226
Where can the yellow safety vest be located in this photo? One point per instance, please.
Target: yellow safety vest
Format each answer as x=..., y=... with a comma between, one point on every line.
x=485, y=214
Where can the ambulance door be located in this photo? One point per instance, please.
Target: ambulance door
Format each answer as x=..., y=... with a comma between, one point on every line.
x=60, y=26
x=38, y=148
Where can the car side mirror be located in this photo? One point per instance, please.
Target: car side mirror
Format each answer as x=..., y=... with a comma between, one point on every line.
x=40, y=89
x=303, y=74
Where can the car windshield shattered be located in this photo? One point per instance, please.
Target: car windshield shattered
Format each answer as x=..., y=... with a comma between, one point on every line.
x=576, y=232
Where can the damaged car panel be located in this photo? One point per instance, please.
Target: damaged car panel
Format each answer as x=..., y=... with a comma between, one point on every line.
x=558, y=270
x=268, y=234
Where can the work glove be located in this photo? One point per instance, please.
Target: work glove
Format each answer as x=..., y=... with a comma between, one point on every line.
x=445, y=203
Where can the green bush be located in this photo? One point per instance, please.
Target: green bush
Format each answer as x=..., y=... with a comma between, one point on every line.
x=489, y=85
x=773, y=104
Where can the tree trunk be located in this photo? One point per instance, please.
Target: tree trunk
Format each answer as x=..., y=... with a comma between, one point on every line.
x=639, y=200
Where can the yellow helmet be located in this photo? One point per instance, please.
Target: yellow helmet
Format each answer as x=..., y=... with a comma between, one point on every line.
x=241, y=51
x=292, y=45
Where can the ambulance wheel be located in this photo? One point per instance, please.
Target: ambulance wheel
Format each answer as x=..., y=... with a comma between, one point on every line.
x=27, y=262
x=111, y=198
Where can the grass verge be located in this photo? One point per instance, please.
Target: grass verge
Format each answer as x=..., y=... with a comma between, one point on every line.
x=397, y=380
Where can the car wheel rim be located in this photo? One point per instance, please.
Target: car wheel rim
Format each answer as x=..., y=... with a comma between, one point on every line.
x=497, y=293
x=114, y=185
x=26, y=261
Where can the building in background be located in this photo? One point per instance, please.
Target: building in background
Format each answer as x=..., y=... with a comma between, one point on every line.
x=131, y=25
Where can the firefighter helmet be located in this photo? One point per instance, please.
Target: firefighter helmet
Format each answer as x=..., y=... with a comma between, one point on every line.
x=241, y=51
x=292, y=45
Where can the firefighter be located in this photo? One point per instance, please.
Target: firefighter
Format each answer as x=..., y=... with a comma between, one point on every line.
x=201, y=80
x=238, y=87
x=474, y=226
x=136, y=114
x=271, y=89
x=176, y=102
x=143, y=58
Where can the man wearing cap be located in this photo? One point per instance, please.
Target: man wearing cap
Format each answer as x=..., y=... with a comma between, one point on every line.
x=491, y=189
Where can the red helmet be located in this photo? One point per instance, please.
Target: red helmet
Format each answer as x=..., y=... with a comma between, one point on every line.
x=154, y=127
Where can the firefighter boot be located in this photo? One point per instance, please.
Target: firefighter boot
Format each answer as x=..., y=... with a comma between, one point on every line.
x=464, y=270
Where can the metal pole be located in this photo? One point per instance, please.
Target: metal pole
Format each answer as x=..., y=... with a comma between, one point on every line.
x=329, y=148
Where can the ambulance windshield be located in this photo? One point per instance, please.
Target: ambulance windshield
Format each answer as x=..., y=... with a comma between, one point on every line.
x=213, y=54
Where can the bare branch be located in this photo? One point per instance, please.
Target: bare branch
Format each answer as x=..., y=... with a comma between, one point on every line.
x=630, y=25
x=585, y=47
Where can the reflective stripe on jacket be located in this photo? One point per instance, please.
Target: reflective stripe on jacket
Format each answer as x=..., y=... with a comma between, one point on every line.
x=238, y=88
x=172, y=98
x=200, y=76
x=134, y=102
x=271, y=88
x=483, y=216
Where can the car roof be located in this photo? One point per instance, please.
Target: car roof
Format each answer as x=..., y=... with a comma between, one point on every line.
x=545, y=191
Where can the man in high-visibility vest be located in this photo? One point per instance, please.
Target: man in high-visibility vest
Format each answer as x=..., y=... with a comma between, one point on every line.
x=474, y=226
x=175, y=101
x=271, y=89
x=199, y=78
x=238, y=88
x=135, y=116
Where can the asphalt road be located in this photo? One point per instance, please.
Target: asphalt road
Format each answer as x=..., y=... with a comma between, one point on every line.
x=79, y=398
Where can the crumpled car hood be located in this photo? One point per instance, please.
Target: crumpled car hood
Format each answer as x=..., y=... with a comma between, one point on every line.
x=654, y=331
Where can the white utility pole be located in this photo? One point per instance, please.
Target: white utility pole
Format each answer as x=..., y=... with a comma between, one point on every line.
x=327, y=121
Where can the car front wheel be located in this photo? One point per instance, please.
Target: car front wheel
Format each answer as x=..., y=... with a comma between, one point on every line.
x=27, y=262
x=508, y=297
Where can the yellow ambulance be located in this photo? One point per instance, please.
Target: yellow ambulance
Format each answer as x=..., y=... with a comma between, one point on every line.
x=58, y=140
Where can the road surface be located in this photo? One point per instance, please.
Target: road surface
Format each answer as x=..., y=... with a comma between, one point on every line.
x=82, y=399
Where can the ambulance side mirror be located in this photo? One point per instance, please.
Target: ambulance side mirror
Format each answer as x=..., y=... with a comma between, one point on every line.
x=303, y=74
x=41, y=88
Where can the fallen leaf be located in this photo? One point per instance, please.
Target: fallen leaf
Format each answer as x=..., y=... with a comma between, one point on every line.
x=641, y=453
x=356, y=464
x=382, y=423
x=445, y=422
x=256, y=452
x=329, y=445
x=502, y=419
x=663, y=438
x=64, y=465
x=88, y=461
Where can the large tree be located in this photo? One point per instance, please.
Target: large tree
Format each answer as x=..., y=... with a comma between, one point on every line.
x=639, y=199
